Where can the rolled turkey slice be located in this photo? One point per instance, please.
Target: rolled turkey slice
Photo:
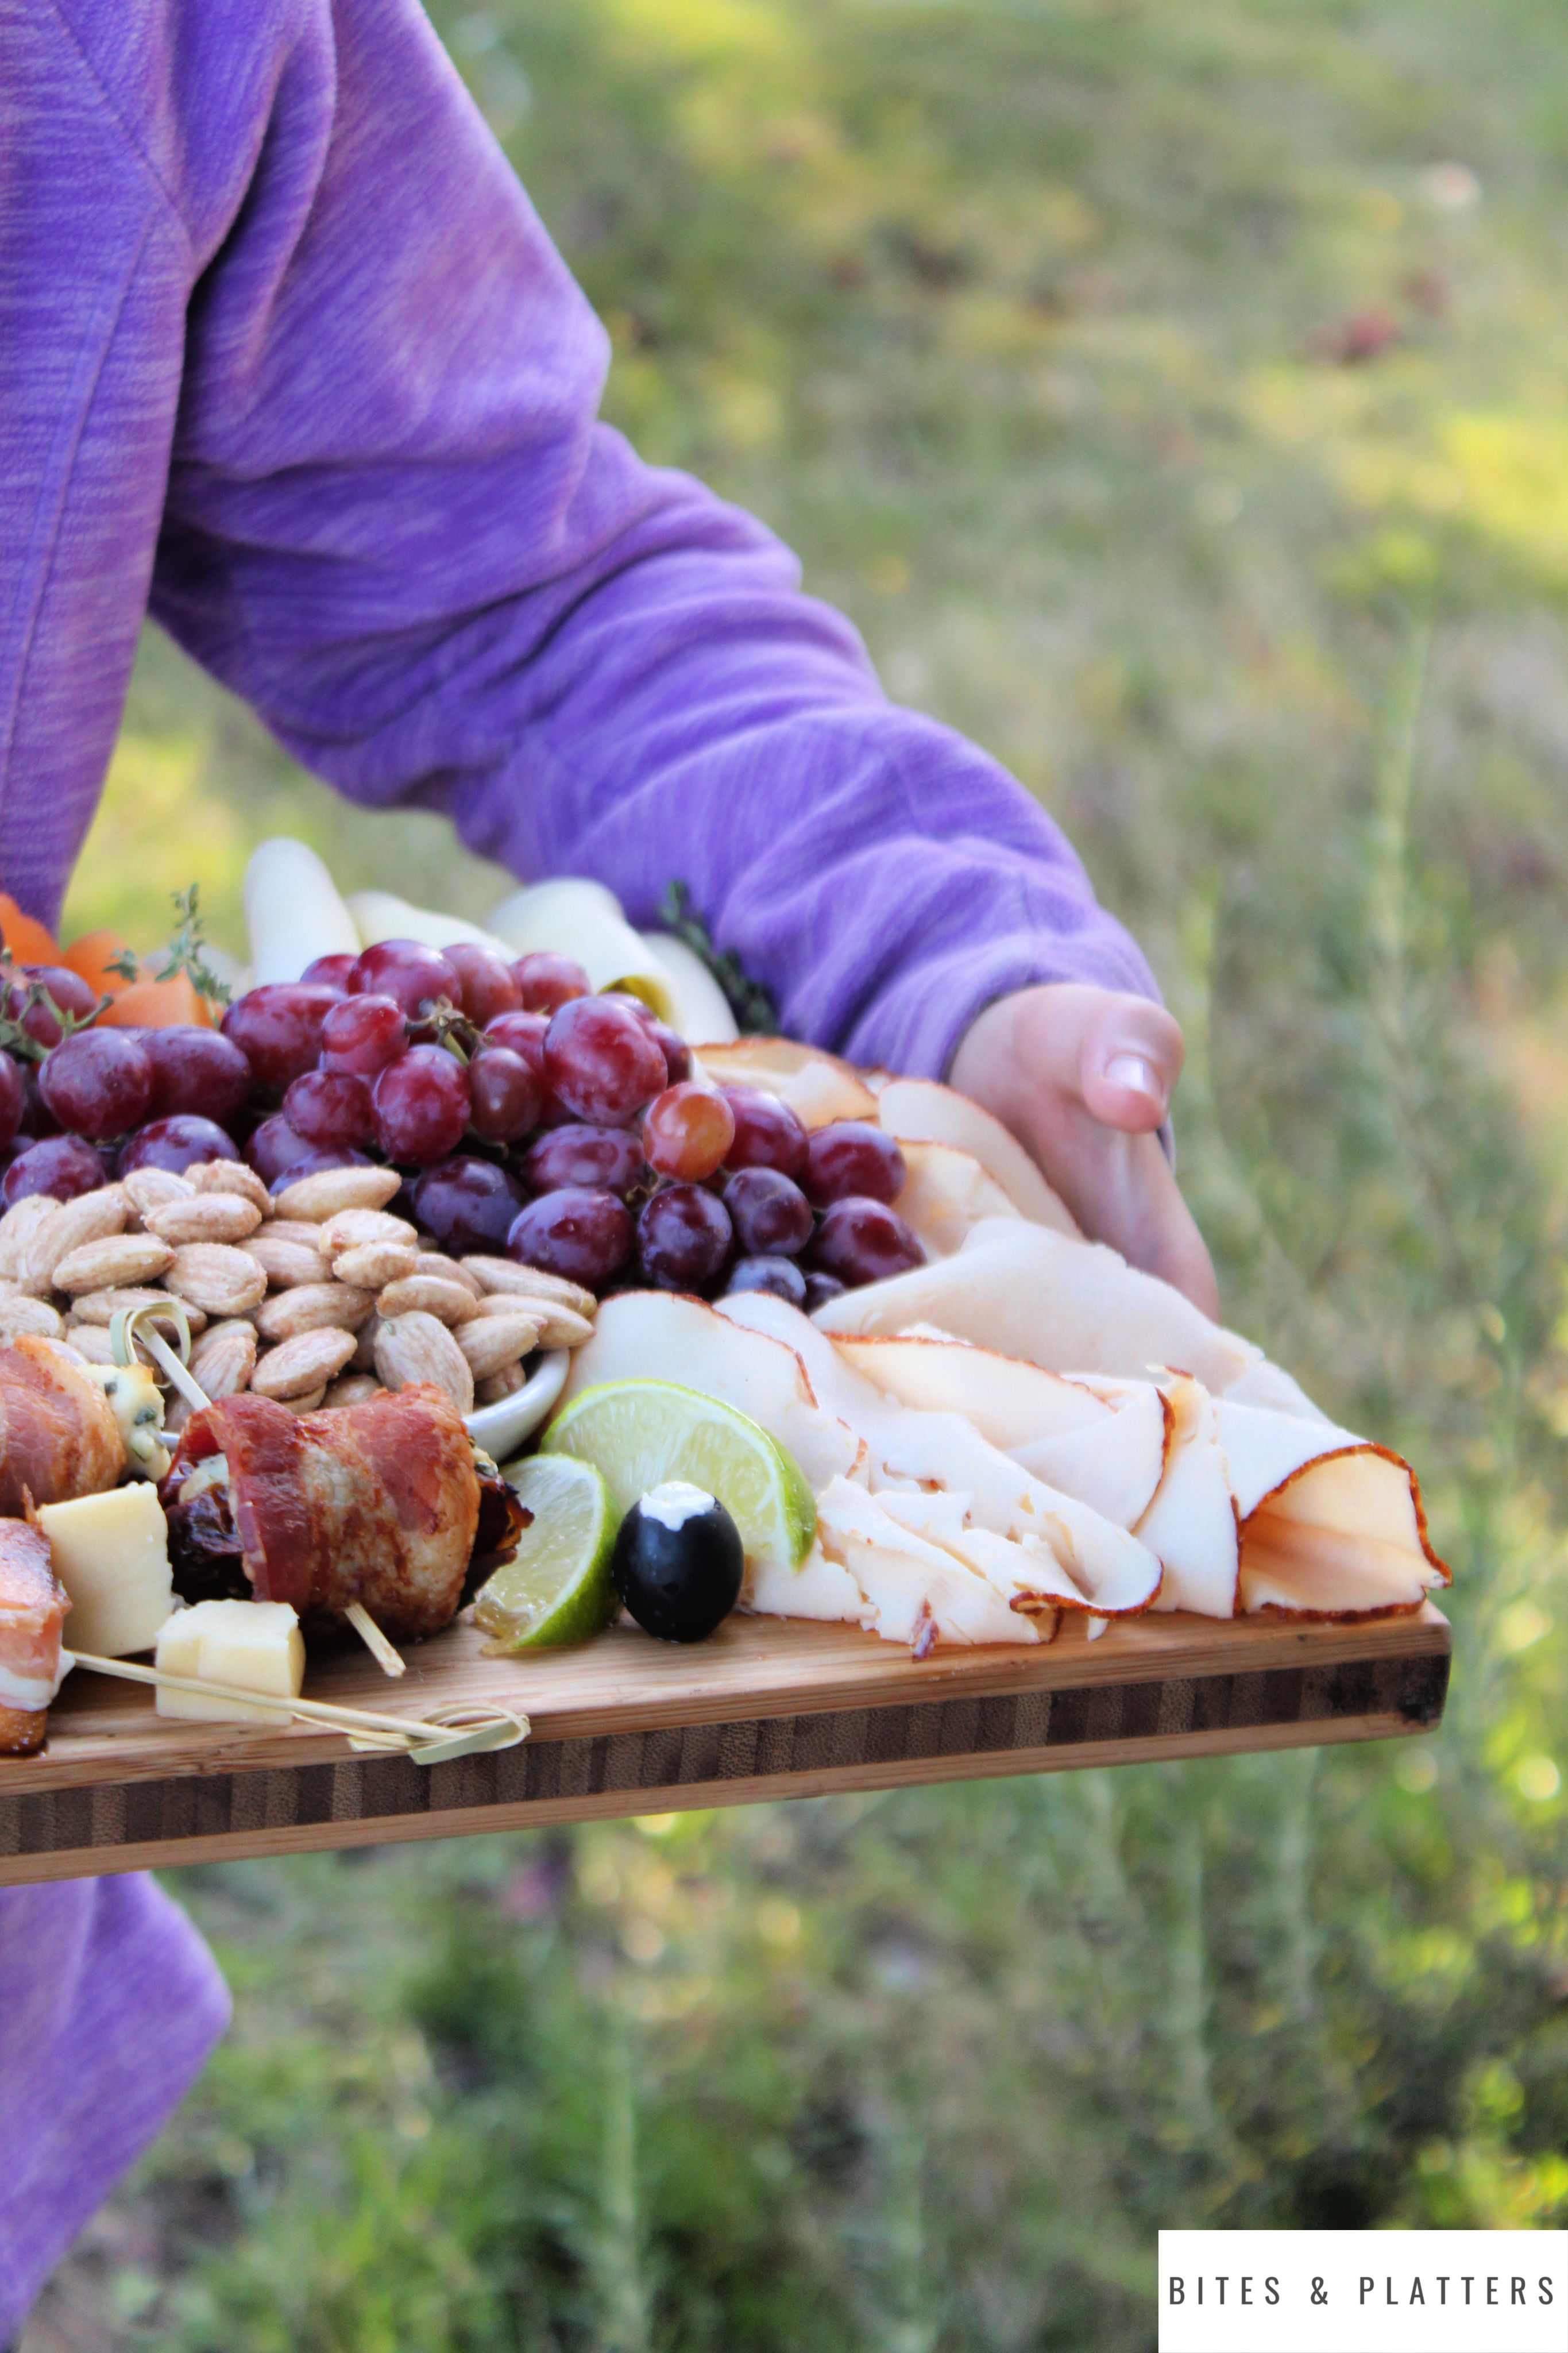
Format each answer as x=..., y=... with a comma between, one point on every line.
x=1067, y=1306
x=945, y=1195
x=1106, y=1446
x=377, y=1503
x=920, y=1111
x=1090, y=1563
x=33, y=1605
x=914, y=1590
x=1191, y=1525
x=817, y=1086
x=1332, y=1525
x=58, y=1435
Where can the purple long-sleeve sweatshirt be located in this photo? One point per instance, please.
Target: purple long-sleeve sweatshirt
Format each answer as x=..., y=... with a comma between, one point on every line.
x=287, y=358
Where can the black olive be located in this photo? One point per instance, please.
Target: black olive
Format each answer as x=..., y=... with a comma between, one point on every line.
x=678, y=1562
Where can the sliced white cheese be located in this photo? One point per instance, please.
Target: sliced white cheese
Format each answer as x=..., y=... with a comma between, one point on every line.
x=293, y=910
x=252, y=1646
x=111, y=1553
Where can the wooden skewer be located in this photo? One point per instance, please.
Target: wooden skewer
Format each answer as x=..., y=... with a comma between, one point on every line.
x=389, y=1661
x=412, y=1730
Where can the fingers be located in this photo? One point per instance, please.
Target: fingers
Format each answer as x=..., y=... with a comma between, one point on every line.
x=1083, y=1076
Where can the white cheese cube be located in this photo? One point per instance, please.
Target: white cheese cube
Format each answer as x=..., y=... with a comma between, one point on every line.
x=254, y=1646
x=111, y=1553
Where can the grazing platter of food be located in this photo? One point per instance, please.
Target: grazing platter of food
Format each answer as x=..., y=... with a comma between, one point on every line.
x=464, y=1383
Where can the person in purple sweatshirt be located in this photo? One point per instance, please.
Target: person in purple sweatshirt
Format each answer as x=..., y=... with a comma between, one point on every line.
x=288, y=360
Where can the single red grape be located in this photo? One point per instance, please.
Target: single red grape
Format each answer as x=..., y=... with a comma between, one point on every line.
x=862, y=1241
x=687, y=1132
x=421, y=1107
x=99, y=1083
x=779, y=1275
x=68, y=993
x=605, y=1158
x=330, y=1107
x=524, y=1034
x=62, y=1165
x=767, y=1132
x=193, y=1069
x=13, y=1098
x=820, y=1288
x=37, y=1120
x=330, y=972
x=278, y=1029
x=675, y=1051
x=600, y=1061
x=274, y=1148
x=683, y=1238
x=577, y=1232
x=415, y=975
x=486, y=980
x=505, y=1095
x=178, y=1143
x=362, y=1035
x=852, y=1156
x=545, y=983
x=771, y=1215
x=467, y=1204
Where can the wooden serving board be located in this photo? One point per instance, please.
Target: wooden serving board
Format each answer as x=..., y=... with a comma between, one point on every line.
x=626, y=1726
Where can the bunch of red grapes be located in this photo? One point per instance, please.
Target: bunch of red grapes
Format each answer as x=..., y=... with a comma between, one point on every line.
x=528, y=1115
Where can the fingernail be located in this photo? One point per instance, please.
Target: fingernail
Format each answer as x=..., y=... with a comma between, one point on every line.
x=1131, y=1070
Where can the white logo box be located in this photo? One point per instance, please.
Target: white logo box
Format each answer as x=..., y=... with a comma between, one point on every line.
x=1363, y=2291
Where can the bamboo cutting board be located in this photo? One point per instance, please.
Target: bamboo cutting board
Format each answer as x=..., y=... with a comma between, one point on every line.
x=625, y=1725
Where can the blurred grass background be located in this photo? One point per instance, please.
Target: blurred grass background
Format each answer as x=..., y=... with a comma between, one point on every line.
x=1176, y=397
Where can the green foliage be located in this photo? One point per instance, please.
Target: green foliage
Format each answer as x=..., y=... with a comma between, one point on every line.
x=1036, y=328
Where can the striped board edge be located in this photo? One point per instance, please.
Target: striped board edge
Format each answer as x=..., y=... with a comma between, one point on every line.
x=763, y=1710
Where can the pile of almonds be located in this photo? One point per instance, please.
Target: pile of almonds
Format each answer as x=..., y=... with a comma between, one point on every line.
x=320, y=1297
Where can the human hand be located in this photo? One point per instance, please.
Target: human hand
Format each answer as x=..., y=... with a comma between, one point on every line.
x=1083, y=1077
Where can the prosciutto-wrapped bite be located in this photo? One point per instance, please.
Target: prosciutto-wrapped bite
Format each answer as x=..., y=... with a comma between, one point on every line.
x=377, y=1503
x=58, y=1437
x=33, y=1604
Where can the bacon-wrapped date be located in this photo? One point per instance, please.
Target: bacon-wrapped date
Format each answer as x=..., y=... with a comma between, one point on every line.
x=58, y=1437
x=377, y=1503
x=33, y=1604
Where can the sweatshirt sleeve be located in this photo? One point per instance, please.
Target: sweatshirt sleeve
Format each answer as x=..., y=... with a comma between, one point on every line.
x=394, y=525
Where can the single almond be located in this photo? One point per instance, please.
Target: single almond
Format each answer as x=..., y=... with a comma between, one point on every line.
x=353, y=1388
x=417, y=1347
x=303, y=1230
x=371, y=1266
x=224, y=1357
x=288, y=1264
x=103, y=1306
x=531, y=1282
x=116, y=1260
x=218, y=1277
x=154, y=1188
x=558, y=1327
x=320, y=1196
x=230, y=1177
x=21, y=1313
x=350, y=1229
x=91, y=1218
x=206, y=1217
x=313, y=1307
x=504, y=1384
x=490, y=1342
x=89, y=1340
x=448, y=1270
x=305, y=1361
x=311, y=1402
x=17, y=1227
x=428, y=1294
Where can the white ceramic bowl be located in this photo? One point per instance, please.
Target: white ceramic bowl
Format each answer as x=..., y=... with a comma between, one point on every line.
x=500, y=1429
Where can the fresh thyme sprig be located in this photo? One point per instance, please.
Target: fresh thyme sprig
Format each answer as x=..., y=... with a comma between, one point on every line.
x=755, y=1013
x=187, y=952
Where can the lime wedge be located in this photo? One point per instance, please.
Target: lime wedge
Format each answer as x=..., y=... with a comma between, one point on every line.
x=640, y=1433
x=557, y=1588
